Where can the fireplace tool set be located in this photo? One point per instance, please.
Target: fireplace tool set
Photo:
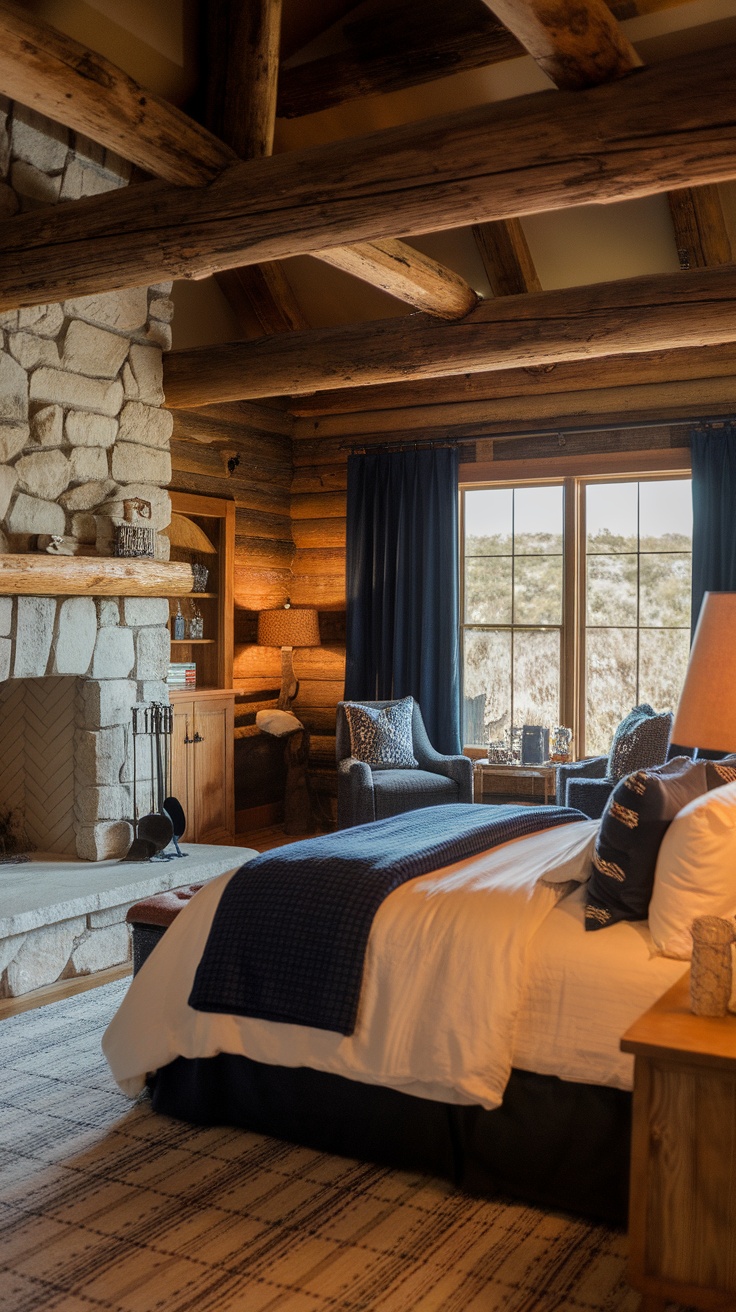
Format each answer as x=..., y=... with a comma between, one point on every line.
x=165, y=823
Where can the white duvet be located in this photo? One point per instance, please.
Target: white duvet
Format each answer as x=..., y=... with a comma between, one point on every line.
x=443, y=982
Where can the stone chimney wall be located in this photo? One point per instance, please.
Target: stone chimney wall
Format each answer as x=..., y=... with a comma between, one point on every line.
x=81, y=430
x=81, y=382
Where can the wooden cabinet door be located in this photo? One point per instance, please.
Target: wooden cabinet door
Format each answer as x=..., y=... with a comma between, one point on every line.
x=212, y=757
x=181, y=772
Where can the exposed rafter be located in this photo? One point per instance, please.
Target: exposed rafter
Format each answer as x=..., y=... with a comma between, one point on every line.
x=577, y=44
x=241, y=39
x=701, y=235
x=506, y=257
x=670, y=125
x=70, y=84
x=334, y=411
x=637, y=314
x=407, y=44
x=64, y=80
x=406, y=273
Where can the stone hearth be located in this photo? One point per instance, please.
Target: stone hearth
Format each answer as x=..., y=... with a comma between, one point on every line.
x=60, y=918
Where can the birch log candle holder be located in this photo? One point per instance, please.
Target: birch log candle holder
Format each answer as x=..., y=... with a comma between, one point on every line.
x=711, y=969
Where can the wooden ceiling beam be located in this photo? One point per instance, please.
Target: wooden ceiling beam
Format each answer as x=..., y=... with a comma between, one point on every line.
x=61, y=78
x=506, y=257
x=335, y=411
x=499, y=417
x=407, y=45
x=670, y=125
x=241, y=39
x=406, y=273
x=701, y=235
x=577, y=43
x=70, y=84
x=658, y=311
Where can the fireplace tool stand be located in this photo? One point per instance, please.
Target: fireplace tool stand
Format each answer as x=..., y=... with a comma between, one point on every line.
x=153, y=725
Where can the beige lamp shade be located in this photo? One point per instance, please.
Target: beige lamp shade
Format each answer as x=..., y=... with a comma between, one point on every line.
x=295, y=627
x=706, y=714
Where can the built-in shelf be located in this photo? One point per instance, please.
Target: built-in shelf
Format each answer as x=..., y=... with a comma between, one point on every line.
x=190, y=642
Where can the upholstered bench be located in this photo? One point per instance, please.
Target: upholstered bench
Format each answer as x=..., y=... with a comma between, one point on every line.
x=151, y=918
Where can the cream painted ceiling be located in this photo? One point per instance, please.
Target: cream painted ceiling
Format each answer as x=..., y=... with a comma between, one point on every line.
x=156, y=42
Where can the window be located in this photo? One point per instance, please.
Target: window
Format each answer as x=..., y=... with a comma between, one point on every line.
x=526, y=658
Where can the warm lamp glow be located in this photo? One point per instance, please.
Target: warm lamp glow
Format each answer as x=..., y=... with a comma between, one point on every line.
x=295, y=627
x=706, y=714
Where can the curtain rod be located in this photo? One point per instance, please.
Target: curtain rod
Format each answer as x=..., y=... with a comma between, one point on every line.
x=708, y=421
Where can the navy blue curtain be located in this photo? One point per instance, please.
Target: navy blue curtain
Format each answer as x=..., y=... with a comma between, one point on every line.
x=714, y=513
x=402, y=584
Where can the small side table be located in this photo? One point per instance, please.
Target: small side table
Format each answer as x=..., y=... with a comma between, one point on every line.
x=530, y=783
x=682, y=1211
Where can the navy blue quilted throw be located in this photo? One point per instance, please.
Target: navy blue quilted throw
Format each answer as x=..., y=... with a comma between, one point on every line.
x=289, y=935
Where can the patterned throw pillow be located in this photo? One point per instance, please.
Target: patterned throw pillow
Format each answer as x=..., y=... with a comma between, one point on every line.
x=381, y=736
x=637, y=816
x=640, y=741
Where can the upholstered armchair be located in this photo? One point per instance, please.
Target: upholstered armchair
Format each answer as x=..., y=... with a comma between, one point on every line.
x=640, y=741
x=365, y=794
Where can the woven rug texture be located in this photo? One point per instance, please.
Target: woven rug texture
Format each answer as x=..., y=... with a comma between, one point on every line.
x=104, y=1205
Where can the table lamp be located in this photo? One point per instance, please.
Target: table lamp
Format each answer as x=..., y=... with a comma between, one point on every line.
x=290, y=627
x=706, y=713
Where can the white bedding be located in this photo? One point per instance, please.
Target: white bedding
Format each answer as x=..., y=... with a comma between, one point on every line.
x=463, y=978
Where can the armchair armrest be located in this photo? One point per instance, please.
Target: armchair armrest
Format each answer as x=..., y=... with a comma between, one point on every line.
x=355, y=800
x=593, y=767
x=458, y=768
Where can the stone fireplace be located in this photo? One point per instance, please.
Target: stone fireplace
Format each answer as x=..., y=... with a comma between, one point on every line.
x=82, y=431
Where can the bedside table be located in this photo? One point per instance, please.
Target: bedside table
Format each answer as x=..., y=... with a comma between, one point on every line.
x=682, y=1211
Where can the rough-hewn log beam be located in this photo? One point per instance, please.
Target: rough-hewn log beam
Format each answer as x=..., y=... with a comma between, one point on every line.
x=408, y=46
x=638, y=314
x=701, y=235
x=670, y=125
x=341, y=411
x=67, y=82
x=407, y=274
x=695, y=397
x=262, y=290
x=242, y=40
x=506, y=258
x=402, y=47
x=577, y=44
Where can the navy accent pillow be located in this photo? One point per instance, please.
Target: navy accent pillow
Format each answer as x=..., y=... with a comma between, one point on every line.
x=382, y=735
x=637, y=816
x=640, y=741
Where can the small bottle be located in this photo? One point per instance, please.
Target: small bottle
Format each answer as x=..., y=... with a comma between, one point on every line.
x=178, y=623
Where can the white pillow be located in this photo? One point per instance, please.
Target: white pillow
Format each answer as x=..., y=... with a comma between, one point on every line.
x=696, y=871
x=277, y=722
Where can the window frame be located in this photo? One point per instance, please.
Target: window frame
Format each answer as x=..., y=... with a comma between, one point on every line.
x=574, y=575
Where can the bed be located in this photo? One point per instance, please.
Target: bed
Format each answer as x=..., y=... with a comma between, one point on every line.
x=486, y=1047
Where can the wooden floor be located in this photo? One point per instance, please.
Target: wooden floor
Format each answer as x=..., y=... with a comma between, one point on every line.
x=263, y=840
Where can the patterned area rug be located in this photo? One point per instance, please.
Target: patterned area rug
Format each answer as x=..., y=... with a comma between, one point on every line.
x=104, y=1205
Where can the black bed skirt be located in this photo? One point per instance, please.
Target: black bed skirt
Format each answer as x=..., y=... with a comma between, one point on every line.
x=551, y=1142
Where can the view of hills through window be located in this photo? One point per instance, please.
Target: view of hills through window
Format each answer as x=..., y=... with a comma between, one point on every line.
x=636, y=540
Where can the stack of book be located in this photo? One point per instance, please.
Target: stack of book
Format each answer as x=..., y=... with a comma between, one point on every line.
x=182, y=674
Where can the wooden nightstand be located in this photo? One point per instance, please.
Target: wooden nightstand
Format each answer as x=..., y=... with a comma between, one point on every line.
x=682, y=1213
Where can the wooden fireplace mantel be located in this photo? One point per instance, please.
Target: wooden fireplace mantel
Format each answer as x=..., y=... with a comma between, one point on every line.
x=92, y=576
